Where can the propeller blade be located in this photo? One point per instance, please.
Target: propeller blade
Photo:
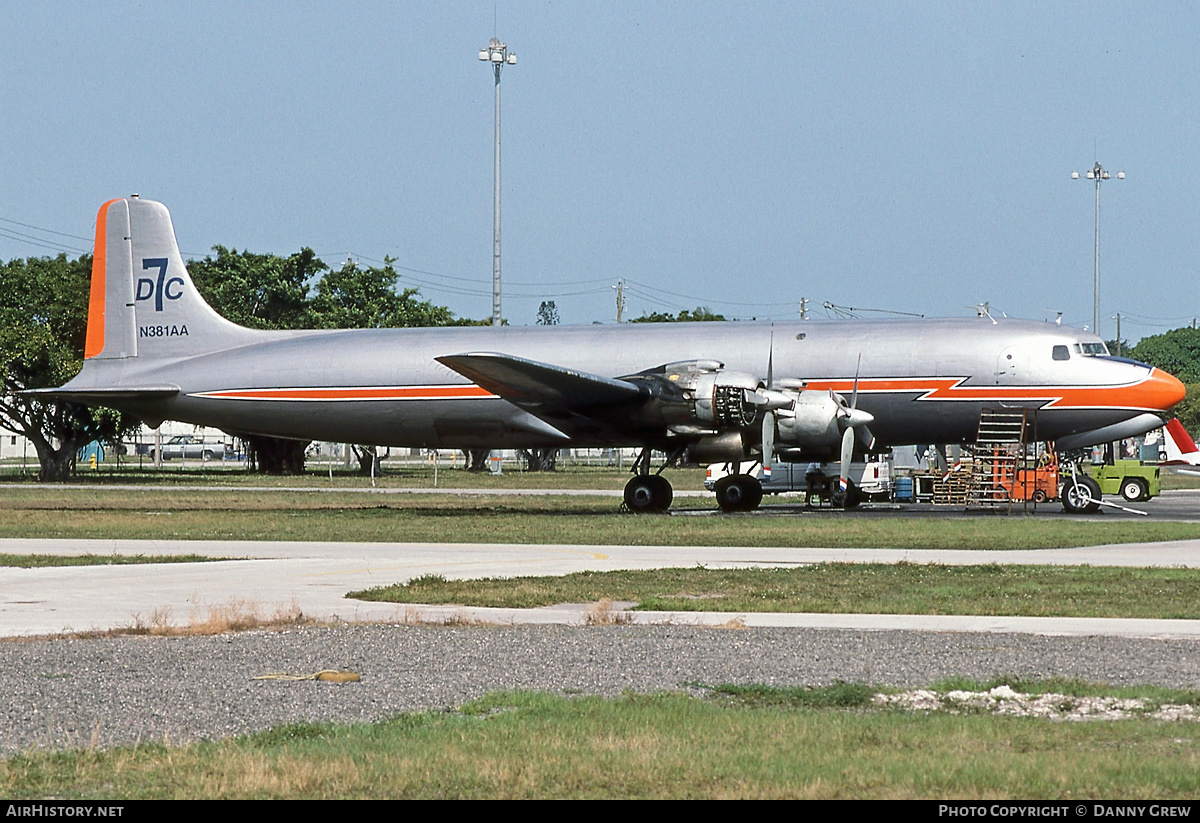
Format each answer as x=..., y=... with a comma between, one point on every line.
x=847, y=456
x=865, y=437
x=854, y=392
x=771, y=360
x=768, y=442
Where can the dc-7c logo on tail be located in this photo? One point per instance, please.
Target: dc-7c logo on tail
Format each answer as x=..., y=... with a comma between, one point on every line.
x=171, y=289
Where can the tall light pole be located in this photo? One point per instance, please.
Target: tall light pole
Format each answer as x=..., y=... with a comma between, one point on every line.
x=498, y=55
x=1099, y=174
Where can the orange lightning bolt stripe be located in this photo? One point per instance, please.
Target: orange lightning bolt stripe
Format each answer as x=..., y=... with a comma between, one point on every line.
x=1156, y=391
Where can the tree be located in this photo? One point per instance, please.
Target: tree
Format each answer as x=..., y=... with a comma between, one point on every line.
x=1176, y=351
x=1118, y=347
x=260, y=291
x=547, y=314
x=477, y=459
x=700, y=313
x=266, y=291
x=540, y=460
x=43, y=323
x=366, y=297
x=1188, y=410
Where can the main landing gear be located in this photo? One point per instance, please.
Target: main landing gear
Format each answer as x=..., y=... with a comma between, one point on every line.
x=738, y=493
x=649, y=493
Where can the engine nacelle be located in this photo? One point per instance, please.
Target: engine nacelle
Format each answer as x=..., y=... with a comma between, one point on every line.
x=814, y=425
x=700, y=397
x=726, y=400
x=729, y=447
x=811, y=423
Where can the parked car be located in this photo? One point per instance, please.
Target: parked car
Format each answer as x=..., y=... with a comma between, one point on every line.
x=194, y=447
x=871, y=481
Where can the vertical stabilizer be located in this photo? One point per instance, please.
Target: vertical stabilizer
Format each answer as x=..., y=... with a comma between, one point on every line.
x=143, y=303
x=1181, y=449
x=110, y=329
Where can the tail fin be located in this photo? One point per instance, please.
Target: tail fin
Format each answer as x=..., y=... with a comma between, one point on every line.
x=1181, y=449
x=143, y=303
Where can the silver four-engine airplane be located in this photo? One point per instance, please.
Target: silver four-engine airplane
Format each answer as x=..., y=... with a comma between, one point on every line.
x=722, y=391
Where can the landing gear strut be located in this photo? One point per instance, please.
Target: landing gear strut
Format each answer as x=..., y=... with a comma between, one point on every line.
x=649, y=493
x=1081, y=495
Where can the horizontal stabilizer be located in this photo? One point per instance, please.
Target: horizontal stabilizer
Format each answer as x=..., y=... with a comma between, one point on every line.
x=1180, y=447
x=533, y=386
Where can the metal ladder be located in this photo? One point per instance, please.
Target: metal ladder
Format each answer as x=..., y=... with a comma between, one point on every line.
x=999, y=455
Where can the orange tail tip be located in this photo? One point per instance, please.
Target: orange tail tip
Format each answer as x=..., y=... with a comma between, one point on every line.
x=94, y=342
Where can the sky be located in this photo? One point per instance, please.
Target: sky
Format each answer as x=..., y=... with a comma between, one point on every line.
x=910, y=157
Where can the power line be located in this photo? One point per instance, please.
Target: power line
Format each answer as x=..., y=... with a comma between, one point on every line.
x=31, y=240
x=703, y=300
x=45, y=231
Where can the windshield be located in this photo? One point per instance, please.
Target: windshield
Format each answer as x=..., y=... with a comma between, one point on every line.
x=1091, y=348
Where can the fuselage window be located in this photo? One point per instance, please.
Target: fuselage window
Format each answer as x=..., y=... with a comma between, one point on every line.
x=1062, y=353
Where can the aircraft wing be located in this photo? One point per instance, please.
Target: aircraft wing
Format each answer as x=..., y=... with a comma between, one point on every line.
x=577, y=403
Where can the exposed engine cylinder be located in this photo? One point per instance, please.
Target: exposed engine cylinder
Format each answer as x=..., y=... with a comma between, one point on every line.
x=723, y=399
x=729, y=406
x=701, y=396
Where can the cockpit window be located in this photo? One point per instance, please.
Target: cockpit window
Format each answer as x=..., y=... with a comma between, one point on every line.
x=1091, y=349
x=1062, y=353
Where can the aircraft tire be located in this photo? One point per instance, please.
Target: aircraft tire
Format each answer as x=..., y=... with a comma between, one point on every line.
x=738, y=493
x=648, y=494
x=756, y=495
x=1081, y=498
x=663, y=493
x=1134, y=489
x=849, y=500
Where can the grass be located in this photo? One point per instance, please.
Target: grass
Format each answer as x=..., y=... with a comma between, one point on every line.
x=839, y=588
x=396, y=476
x=41, y=561
x=1171, y=480
x=520, y=745
x=155, y=513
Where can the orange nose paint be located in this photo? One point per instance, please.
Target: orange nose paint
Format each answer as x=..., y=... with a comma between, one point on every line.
x=1161, y=391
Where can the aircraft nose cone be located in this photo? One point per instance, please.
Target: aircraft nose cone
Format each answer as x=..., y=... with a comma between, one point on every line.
x=1162, y=390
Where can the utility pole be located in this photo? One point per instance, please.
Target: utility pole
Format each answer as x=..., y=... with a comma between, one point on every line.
x=498, y=55
x=1099, y=174
x=620, y=287
x=1118, y=319
x=803, y=308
